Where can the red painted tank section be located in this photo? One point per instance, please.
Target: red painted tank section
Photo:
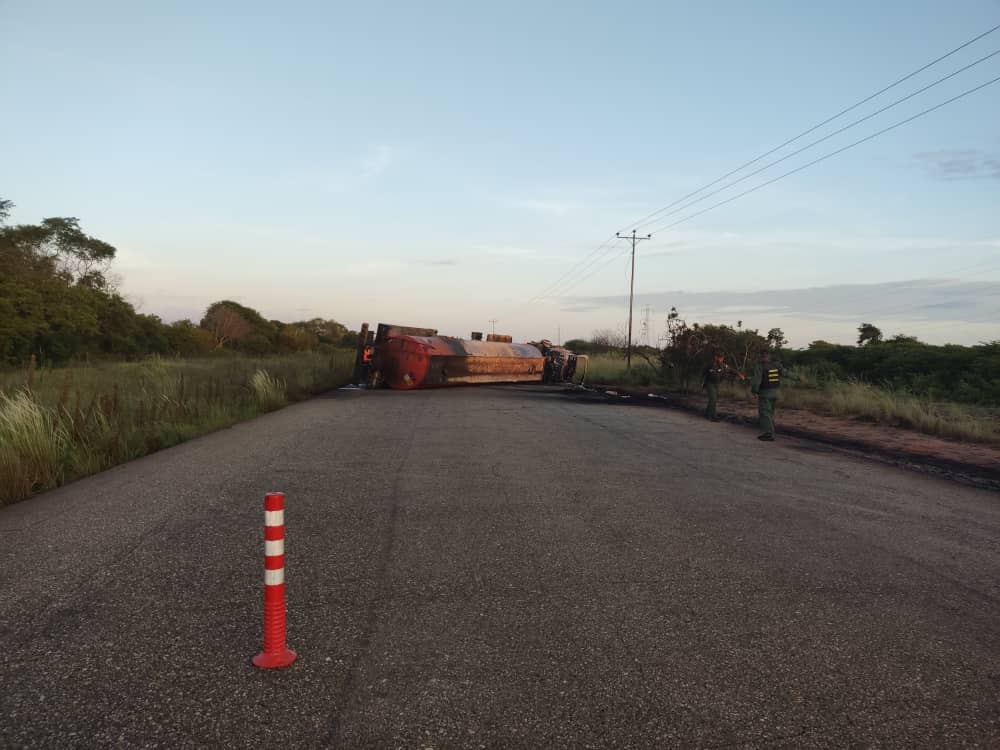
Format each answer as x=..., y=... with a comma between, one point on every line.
x=404, y=362
x=408, y=362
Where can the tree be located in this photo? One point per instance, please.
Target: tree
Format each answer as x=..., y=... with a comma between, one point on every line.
x=186, y=339
x=686, y=347
x=608, y=339
x=296, y=338
x=257, y=336
x=776, y=339
x=226, y=324
x=75, y=256
x=256, y=344
x=868, y=334
x=740, y=346
x=350, y=340
x=326, y=331
x=690, y=348
x=56, y=301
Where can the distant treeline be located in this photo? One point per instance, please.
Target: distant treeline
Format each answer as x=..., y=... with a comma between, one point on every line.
x=969, y=374
x=58, y=303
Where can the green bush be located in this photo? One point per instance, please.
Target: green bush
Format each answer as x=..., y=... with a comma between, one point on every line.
x=967, y=374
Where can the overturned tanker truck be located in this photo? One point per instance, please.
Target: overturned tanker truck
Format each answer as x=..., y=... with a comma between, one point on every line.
x=405, y=357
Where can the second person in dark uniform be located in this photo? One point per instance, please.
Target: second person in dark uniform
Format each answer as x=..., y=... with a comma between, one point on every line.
x=712, y=377
x=766, y=382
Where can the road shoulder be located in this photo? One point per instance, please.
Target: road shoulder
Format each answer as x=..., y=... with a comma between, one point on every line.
x=976, y=464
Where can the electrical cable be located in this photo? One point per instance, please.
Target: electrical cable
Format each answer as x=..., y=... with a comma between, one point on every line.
x=831, y=154
x=595, y=255
x=802, y=167
x=827, y=137
x=644, y=220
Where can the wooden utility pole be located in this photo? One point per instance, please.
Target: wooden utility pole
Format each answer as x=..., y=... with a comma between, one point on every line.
x=631, y=292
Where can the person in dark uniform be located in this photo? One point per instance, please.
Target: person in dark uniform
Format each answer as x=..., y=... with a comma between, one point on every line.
x=366, y=364
x=712, y=377
x=766, y=381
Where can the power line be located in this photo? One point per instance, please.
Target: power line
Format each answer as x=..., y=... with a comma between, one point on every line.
x=579, y=281
x=800, y=168
x=545, y=292
x=594, y=256
x=832, y=153
x=582, y=269
x=645, y=219
x=827, y=137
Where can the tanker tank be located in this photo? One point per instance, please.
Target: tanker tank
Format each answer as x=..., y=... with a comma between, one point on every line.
x=410, y=361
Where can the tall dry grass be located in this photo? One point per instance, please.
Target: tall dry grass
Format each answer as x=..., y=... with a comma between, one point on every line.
x=837, y=398
x=897, y=408
x=268, y=391
x=57, y=425
x=33, y=445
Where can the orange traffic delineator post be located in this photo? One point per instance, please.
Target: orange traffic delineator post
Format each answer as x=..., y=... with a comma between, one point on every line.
x=276, y=652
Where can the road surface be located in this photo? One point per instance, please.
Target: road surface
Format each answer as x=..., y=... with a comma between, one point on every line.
x=503, y=567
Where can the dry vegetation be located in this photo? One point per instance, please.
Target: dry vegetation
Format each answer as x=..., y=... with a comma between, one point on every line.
x=849, y=398
x=60, y=424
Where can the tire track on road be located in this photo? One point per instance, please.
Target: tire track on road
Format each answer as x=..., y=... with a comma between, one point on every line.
x=362, y=660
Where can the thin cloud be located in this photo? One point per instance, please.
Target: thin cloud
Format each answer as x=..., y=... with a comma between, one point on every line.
x=664, y=250
x=968, y=164
x=438, y=262
x=506, y=251
x=506, y=254
x=376, y=162
x=364, y=169
x=915, y=300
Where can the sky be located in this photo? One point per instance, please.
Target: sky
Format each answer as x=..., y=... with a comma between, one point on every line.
x=450, y=164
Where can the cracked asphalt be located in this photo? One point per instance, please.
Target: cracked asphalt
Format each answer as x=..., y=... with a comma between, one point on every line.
x=503, y=567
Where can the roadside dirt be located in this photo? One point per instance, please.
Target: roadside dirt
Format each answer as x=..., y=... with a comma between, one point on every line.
x=971, y=463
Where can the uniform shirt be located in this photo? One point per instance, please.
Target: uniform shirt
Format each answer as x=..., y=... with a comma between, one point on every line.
x=714, y=373
x=758, y=375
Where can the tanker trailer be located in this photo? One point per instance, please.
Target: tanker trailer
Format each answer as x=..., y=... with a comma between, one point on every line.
x=408, y=361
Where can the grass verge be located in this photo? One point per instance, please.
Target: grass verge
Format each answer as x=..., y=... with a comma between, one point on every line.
x=62, y=424
x=609, y=370
x=840, y=398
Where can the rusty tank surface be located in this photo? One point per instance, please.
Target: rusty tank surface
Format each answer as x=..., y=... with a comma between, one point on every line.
x=407, y=362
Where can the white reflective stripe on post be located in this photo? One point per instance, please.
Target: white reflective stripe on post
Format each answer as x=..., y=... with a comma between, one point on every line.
x=274, y=547
x=274, y=518
x=274, y=577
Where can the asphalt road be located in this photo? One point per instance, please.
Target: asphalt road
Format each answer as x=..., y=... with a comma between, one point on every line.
x=503, y=567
